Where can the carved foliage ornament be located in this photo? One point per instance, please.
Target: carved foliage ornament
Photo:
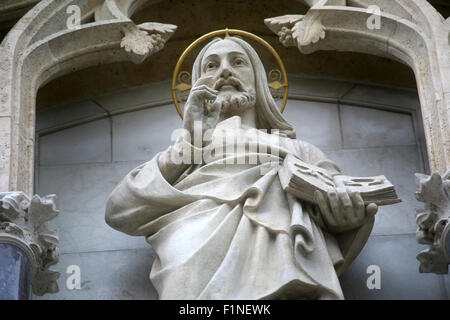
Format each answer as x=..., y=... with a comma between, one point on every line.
x=24, y=223
x=297, y=30
x=434, y=222
x=140, y=41
x=146, y=39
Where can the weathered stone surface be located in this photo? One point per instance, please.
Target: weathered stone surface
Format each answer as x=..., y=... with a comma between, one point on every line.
x=407, y=99
x=24, y=223
x=82, y=193
x=327, y=133
x=68, y=146
x=434, y=222
x=128, y=280
x=5, y=151
x=368, y=128
x=447, y=285
x=32, y=63
x=67, y=115
x=136, y=98
x=131, y=133
x=399, y=279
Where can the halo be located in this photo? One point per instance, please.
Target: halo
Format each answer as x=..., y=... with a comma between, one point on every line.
x=184, y=76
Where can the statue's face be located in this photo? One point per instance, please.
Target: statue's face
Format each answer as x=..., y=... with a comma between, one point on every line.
x=229, y=66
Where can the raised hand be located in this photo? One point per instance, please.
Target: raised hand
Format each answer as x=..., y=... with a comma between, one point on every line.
x=202, y=106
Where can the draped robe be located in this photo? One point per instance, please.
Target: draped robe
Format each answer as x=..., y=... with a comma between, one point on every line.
x=225, y=229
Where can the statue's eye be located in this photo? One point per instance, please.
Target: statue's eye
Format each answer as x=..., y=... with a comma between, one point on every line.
x=238, y=62
x=210, y=65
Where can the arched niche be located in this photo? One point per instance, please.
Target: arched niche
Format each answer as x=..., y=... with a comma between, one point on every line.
x=415, y=34
x=411, y=32
x=42, y=47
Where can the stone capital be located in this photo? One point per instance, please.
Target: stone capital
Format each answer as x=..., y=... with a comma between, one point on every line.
x=24, y=223
x=434, y=222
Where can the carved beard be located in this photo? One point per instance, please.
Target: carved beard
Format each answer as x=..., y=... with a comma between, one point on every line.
x=237, y=100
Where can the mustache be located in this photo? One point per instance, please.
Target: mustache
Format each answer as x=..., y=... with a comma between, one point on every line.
x=235, y=82
x=237, y=100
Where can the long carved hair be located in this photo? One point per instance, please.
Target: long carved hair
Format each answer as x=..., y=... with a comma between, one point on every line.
x=268, y=114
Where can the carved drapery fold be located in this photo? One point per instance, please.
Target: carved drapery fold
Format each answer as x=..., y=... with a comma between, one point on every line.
x=24, y=223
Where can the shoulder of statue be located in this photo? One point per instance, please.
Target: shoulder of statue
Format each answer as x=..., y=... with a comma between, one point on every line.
x=308, y=152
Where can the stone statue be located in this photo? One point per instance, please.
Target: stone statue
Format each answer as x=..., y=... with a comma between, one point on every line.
x=223, y=227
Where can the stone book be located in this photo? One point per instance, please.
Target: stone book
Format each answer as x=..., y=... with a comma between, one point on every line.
x=303, y=179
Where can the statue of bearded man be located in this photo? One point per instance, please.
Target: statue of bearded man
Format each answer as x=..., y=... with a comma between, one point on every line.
x=223, y=228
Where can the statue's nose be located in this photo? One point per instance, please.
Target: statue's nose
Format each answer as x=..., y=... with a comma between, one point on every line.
x=226, y=73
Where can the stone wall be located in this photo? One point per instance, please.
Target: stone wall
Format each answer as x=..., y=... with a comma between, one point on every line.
x=86, y=147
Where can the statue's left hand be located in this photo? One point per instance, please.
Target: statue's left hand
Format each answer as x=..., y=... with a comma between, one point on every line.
x=343, y=210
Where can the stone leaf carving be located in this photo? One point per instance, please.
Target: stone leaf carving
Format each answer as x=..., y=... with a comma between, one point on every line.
x=297, y=30
x=164, y=30
x=11, y=228
x=146, y=39
x=24, y=222
x=282, y=26
x=309, y=30
x=13, y=205
x=140, y=41
x=434, y=222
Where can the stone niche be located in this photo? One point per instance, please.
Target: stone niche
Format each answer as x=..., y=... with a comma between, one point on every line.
x=249, y=16
x=100, y=100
